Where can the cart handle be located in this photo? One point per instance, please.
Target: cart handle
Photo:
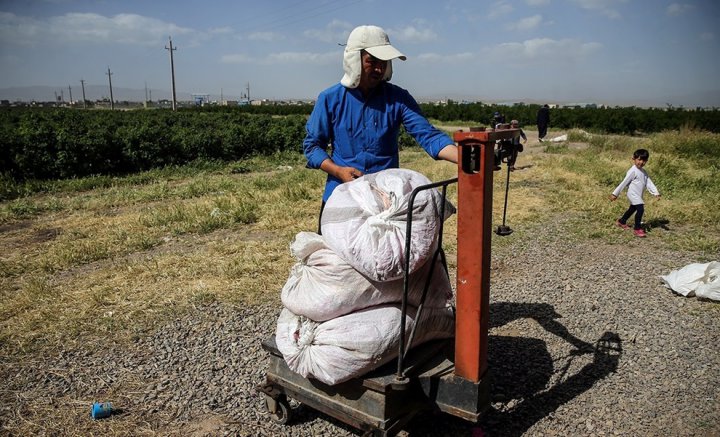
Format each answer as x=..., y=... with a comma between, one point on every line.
x=402, y=348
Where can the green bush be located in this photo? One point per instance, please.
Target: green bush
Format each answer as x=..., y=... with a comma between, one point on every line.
x=47, y=144
x=51, y=143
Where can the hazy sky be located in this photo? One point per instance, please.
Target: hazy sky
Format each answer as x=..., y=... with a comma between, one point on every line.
x=605, y=51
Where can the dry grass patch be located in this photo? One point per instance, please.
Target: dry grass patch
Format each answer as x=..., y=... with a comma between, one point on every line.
x=110, y=267
x=116, y=260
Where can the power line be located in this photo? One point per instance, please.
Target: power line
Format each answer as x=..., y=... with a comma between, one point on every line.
x=300, y=16
x=289, y=14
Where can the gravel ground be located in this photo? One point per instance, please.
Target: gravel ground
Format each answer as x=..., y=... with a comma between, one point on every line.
x=551, y=302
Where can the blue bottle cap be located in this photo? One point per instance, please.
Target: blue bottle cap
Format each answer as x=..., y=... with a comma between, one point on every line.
x=101, y=410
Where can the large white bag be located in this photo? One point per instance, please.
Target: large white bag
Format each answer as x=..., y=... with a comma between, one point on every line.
x=701, y=280
x=352, y=345
x=322, y=286
x=365, y=222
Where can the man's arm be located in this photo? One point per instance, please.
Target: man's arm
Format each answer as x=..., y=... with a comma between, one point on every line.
x=435, y=142
x=449, y=153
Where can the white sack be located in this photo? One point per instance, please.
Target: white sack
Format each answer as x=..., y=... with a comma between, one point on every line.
x=365, y=222
x=711, y=290
x=322, y=286
x=702, y=280
x=354, y=344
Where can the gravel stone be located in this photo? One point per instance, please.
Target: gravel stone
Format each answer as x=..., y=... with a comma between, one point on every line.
x=553, y=302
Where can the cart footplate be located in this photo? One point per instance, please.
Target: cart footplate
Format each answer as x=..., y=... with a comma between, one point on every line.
x=372, y=403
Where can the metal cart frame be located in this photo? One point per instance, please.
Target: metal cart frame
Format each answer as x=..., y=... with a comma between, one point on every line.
x=446, y=375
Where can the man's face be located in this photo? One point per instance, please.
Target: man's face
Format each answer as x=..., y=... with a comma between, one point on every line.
x=373, y=70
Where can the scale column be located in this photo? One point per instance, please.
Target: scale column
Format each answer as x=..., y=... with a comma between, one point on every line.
x=474, y=234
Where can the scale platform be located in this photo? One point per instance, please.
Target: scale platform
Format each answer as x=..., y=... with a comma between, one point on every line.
x=450, y=375
x=378, y=403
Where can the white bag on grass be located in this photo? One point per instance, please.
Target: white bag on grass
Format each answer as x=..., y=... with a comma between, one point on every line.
x=701, y=280
x=322, y=286
x=365, y=222
x=352, y=345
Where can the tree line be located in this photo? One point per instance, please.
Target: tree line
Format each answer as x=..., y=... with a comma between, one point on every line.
x=50, y=143
x=611, y=120
x=618, y=120
x=65, y=143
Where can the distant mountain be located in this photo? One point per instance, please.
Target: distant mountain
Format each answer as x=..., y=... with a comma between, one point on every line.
x=93, y=92
x=710, y=98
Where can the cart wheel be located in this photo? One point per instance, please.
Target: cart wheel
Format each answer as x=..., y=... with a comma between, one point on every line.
x=279, y=409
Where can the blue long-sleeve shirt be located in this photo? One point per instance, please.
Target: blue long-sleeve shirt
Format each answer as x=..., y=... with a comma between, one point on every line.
x=364, y=133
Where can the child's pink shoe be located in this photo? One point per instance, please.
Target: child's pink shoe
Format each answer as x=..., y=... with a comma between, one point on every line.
x=640, y=233
x=622, y=225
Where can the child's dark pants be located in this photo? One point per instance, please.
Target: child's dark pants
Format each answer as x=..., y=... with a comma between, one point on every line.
x=639, y=210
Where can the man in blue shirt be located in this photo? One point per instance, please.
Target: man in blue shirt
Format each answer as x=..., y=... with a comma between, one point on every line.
x=360, y=117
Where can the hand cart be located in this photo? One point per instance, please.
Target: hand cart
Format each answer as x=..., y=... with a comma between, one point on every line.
x=445, y=375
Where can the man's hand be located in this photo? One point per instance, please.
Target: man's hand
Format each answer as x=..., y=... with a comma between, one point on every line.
x=347, y=174
x=613, y=197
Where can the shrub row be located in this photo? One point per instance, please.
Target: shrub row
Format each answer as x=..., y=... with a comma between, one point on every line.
x=62, y=143
x=627, y=120
x=618, y=120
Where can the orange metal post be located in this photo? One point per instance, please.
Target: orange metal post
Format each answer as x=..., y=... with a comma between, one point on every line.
x=473, y=252
x=474, y=234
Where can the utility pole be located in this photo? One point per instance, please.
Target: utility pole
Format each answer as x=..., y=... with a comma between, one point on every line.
x=70, y=92
x=82, y=82
x=172, y=72
x=146, y=95
x=248, y=92
x=112, y=101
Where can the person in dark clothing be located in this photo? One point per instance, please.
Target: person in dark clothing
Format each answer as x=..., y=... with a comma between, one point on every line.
x=517, y=147
x=543, y=121
x=498, y=118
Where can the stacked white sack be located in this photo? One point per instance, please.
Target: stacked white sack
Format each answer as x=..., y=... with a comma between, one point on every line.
x=348, y=346
x=365, y=222
x=322, y=286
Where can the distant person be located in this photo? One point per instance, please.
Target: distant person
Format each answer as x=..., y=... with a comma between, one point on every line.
x=360, y=117
x=543, y=121
x=636, y=180
x=517, y=146
x=498, y=119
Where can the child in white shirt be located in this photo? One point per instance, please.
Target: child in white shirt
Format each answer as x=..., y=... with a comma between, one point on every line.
x=637, y=180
